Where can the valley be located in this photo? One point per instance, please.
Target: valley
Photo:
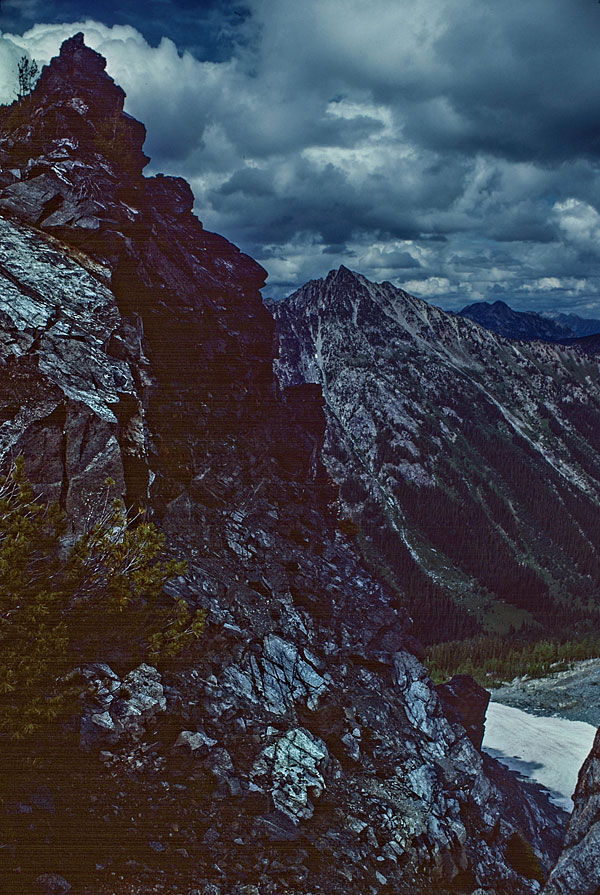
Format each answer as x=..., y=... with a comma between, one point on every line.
x=469, y=463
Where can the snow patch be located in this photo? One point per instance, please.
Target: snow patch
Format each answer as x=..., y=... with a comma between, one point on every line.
x=548, y=751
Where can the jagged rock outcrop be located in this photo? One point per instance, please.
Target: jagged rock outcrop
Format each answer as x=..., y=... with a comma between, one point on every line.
x=470, y=462
x=302, y=747
x=466, y=702
x=72, y=166
x=578, y=868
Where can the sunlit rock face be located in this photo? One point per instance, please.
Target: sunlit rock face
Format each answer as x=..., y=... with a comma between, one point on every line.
x=72, y=373
x=302, y=747
x=470, y=462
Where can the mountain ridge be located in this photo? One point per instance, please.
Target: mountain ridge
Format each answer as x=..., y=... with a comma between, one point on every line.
x=425, y=410
x=502, y=319
x=568, y=329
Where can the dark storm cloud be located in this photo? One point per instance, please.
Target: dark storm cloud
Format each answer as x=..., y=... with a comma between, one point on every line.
x=452, y=141
x=323, y=199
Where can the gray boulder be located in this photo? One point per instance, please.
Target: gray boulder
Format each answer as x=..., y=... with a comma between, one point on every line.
x=293, y=770
x=120, y=708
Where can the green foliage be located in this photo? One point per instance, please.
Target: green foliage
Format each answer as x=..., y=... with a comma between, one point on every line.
x=101, y=600
x=33, y=632
x=492, y=660
x=522, y=858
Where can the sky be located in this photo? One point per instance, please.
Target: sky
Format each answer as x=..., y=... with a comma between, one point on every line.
x=449, y=146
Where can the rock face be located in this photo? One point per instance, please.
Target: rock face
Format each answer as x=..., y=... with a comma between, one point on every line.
x=302, y=748
x=295, y=766
x=72, y=166
x=454, y=449
x=466, y=702
x=577, y=868
x=70, y=403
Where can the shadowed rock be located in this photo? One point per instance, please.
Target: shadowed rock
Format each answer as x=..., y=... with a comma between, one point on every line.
x=578, y=868
x=465, y=702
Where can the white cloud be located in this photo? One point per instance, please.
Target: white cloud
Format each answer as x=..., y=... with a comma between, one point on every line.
x=429, y=288
x=9, y=59
x=579, y=222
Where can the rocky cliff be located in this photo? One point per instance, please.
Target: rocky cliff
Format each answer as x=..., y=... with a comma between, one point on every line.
x=469, y=461
x=302, y=747
x=578, y=868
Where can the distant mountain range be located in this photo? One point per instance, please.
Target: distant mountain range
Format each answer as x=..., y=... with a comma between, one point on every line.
x=470, y=462
x=580, y=326
x=528, y=326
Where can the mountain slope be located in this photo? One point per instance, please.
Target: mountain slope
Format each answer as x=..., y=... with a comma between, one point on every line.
x=580, y=326
x=301, y=747
x=526, y=325
x=460, y=453
x=589, y=344
x=567, y=329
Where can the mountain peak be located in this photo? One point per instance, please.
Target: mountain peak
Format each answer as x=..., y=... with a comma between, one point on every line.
x=83, y=58
x=71, y=163
x=502, y=319
x=344, y=276
x=76, y=100
x=83, y=70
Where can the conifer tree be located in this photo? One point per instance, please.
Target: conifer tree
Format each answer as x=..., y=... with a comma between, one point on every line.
x=27, y=72
x=100, y=602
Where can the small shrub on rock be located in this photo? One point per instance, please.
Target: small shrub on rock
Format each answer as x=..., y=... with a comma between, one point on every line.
x=102, y=601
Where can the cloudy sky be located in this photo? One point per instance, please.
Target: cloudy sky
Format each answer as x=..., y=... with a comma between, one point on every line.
x=450, y=146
